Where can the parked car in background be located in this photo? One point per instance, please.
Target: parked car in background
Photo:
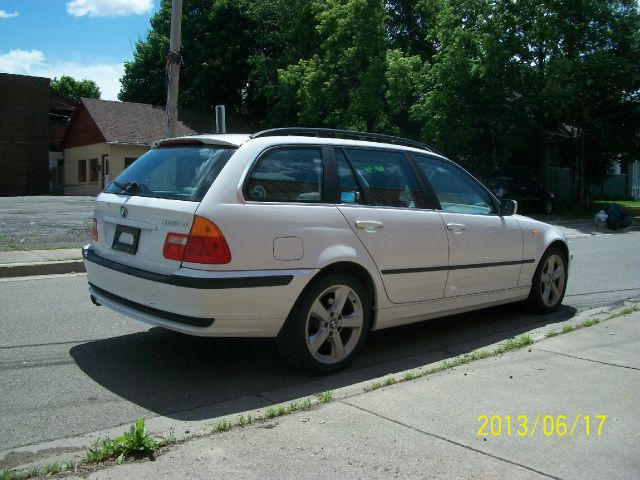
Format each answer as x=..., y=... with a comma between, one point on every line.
x=531, y=196
x=313, y=237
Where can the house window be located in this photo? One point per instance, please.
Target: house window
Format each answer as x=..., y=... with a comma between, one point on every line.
x=93, y=170
x=128, y=161
x=82, y=171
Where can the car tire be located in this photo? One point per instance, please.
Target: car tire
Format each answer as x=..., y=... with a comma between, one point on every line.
x=549, y=282
x=327, y=326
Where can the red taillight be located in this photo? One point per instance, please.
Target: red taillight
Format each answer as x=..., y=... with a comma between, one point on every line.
x=174, y=246
x=94, y=231
x=205, y=244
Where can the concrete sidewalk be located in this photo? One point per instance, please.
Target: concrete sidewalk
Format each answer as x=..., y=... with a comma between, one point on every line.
x=40, y=262
x=432, y=426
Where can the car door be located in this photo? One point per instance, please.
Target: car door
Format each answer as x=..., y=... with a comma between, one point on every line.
x=381, y=199
x=485, y=249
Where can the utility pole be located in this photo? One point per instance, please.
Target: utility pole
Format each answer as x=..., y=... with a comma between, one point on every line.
x=174, y=60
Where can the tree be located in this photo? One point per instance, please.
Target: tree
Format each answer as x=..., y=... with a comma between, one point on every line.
x=489, y=82
x=76, y=89
x=343, y=84
x=508, y=75
x=231, y=50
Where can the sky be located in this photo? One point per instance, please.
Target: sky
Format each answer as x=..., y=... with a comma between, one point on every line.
x=81, y=38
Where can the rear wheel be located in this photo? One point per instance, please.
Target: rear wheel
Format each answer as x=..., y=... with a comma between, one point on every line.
x=548, y=207
x=549, y=282
x=327, y=326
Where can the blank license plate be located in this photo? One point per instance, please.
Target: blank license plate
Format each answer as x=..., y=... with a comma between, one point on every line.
x=126, y=239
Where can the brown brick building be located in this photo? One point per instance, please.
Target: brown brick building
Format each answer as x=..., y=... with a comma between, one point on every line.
x=24, y=135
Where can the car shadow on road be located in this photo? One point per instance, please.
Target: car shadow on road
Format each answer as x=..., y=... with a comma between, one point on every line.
x=194, y=378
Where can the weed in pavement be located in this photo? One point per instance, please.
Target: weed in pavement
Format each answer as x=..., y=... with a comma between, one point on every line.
x=47, y=470
x=325, y=397
x=134, y=442
x=222, y=426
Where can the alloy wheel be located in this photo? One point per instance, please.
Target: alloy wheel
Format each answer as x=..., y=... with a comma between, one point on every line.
x=334, y=324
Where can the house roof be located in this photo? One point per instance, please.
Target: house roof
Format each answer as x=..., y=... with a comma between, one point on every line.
x=137, y=123
x=60, y=102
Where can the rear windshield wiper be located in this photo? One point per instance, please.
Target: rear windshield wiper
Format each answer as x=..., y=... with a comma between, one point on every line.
x=130, y=187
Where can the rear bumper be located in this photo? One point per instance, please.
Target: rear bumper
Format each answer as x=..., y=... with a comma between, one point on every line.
x=197, y=302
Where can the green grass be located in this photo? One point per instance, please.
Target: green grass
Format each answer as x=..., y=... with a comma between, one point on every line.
x=325, y=397
x=10, y=475
x=305, y=404
x=585, y=324
x=624, y=203
x=624, y=311
x=514, y=344
x=134, y=442
x=55, y=468
x=47, y=470
x=222, y=426
x=509, y=345
x=243, y=421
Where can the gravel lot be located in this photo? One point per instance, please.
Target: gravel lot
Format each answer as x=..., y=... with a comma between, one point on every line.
x=32, y=223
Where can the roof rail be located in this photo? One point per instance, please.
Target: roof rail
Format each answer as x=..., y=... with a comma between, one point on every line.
x=344, y=134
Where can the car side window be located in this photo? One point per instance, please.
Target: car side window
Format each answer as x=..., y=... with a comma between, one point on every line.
x=386, y=178
x=287, y=174
x=456, y=190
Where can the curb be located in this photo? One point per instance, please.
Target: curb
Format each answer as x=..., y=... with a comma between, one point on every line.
x=41, y=268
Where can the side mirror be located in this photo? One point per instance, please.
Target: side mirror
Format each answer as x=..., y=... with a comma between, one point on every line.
x=508, y=208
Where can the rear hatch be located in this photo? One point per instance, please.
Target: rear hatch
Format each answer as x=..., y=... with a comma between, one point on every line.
x=157, y=195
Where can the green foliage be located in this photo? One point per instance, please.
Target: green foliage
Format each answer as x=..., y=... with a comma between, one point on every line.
x=47, y=470
x=491, y=83
x=76, y=89
x=342, y=84
x=9, y=475
x=134, y=442
x=222, y=426
x=325, y=397
x=408, y=376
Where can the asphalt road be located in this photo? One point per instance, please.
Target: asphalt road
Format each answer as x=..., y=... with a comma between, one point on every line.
x=67, y=367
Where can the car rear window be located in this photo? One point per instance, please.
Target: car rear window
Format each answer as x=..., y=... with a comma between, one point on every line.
x=180, y=173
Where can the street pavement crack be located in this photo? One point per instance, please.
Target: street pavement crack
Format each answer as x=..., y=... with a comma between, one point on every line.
x=586, y=359
x=448, y=440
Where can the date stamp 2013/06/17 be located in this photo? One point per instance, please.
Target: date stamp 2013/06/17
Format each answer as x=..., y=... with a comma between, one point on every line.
x=547, y=425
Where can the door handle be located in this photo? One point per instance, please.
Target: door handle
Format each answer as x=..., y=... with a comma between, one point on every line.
x=456, y=227
x=369, y=225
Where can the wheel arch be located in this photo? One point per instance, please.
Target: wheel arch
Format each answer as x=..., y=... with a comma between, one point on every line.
x=345, y=267
x=564, y=248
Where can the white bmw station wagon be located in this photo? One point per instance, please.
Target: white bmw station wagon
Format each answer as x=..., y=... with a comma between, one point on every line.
x=313, y=237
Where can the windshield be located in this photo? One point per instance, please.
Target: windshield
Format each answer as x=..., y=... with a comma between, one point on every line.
x=180, y=173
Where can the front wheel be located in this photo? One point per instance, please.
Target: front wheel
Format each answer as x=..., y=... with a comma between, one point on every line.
x=327, y=326
x=549, y=282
